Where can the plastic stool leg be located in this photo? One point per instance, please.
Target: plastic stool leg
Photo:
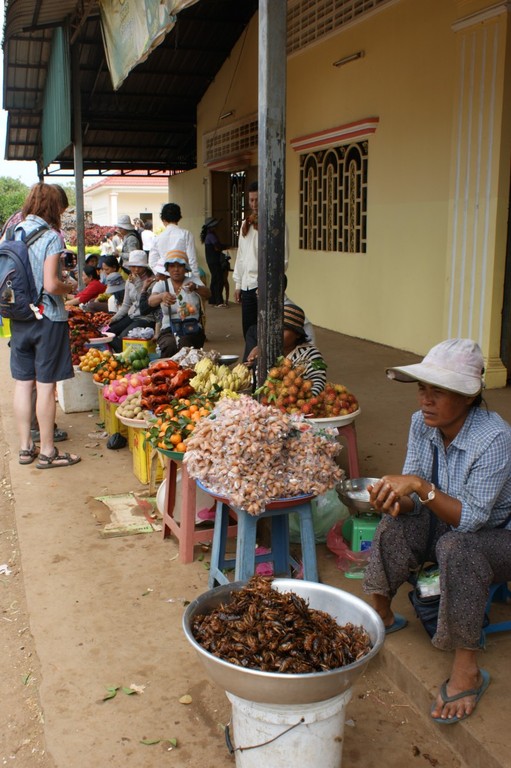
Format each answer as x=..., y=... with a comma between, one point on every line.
x=280, y=544
x=308, y=541
x=218, y=546
x=245, y=546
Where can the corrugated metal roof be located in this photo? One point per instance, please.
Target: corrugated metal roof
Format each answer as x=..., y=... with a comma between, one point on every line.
x=150, y=122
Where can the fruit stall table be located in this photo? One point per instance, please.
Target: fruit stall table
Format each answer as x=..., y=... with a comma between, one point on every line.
x=185, y=530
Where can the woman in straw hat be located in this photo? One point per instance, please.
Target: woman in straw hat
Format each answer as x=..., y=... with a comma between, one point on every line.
x=452, y=505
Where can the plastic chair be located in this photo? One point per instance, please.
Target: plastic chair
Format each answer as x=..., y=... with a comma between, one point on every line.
x=185, y=531
x=499, y=593
x=244, y=563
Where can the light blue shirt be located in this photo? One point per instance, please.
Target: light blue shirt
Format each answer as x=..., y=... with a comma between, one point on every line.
x=47, y=244
x=475, y=468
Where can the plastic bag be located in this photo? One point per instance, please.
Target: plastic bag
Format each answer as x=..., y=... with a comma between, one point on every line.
x=327, y=509
x=346, y=560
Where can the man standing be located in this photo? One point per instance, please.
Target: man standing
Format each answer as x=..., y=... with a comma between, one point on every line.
x=172, y=234
x=246, y=269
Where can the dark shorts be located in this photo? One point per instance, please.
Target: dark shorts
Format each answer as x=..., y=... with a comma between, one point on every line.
x=40, y=351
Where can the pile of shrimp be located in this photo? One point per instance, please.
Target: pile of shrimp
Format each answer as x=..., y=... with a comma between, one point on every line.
x=251, y=454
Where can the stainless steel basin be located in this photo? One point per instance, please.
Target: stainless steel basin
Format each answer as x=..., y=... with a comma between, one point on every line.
x=278, y=687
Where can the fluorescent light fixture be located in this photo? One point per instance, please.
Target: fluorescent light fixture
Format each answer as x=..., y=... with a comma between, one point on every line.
x=227, y=114
x=347, y=59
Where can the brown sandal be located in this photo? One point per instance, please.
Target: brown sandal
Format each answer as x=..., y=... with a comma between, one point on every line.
x=28, y=455
x=56, y=460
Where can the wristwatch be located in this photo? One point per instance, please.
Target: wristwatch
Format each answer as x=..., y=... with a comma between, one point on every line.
x=431, y=495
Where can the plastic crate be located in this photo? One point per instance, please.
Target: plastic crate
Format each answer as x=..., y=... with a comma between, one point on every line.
x=142, y=458
x=112, y=423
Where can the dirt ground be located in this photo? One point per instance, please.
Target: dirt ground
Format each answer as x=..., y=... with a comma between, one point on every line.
x=81, y=614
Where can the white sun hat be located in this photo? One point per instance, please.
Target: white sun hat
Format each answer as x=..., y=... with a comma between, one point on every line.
x=454, y=364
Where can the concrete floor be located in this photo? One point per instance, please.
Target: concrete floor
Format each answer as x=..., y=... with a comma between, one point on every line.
x=86, y=599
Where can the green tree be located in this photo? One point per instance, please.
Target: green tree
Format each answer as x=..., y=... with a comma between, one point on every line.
x=70, y=191
x=12, y=196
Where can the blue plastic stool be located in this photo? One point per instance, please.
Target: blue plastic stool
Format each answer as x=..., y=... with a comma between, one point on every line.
x=499, y=592
x=244, y=563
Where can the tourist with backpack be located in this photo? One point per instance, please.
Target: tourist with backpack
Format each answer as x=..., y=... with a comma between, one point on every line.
x=31, y=295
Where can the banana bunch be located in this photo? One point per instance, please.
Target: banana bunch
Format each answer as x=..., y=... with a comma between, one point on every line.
x=209, y=376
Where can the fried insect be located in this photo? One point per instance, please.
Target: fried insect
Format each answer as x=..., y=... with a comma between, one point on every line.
x=261, y=628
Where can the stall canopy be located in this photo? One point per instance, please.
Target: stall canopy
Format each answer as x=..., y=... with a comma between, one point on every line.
x=149, y=123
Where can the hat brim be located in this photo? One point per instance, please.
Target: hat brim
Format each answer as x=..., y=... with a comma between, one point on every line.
x=212, y=223
x=179, y=262
x=437, y=377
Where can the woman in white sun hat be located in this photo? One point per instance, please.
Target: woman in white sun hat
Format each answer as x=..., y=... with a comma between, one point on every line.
x=452, y=505
x=129, y=315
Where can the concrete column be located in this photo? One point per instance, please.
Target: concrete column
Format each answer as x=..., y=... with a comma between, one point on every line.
x=480, y=178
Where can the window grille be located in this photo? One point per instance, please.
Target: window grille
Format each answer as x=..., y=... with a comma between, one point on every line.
x=310, y=20
x=333, y=199
x=231, y=140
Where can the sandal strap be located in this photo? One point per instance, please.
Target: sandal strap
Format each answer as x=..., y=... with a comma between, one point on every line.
x=447, y=699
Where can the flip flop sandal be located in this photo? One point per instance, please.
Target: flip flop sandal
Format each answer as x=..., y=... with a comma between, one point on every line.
x=477, y=692
x=49, y=462
x=28, y=455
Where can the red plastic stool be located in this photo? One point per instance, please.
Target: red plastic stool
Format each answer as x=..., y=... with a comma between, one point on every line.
x=185, y=531
x=349, y=433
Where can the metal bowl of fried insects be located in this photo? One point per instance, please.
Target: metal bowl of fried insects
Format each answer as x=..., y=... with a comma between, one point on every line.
x=282, y=687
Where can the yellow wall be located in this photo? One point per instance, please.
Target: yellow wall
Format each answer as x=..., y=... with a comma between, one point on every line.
x=398, y=292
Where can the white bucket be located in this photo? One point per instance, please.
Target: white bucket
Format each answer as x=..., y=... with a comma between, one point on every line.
x=292, y=735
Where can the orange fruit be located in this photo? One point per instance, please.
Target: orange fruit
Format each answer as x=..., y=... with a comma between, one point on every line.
x=180, y=447
x=175, y=439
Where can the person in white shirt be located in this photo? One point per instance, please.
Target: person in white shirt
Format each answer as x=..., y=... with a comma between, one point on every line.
x=245, y=274
x=172, y=234
x=148, y=237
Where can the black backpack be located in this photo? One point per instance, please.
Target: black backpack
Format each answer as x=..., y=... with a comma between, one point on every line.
x=19, y=298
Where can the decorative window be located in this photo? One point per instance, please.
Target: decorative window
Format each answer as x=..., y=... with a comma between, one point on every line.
x=232, y=146
x=333, y=199
x=333, y=187
x=311, y=20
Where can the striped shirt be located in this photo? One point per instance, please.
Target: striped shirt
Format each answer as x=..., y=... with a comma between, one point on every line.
x=475, y=468
x=307, y=355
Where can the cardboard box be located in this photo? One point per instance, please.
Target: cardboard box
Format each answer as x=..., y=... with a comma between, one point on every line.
x=150, y=345
x=78, y=394
x=112, y=423
x=142, y=458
